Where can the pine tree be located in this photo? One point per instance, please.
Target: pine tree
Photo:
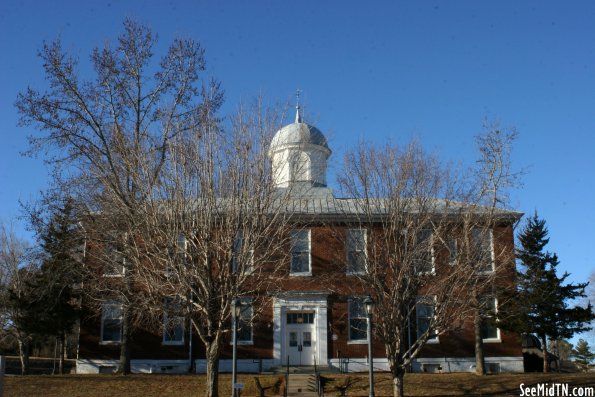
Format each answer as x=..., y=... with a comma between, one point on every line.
x=543, y=296
x=58, y=310
x=583, y=355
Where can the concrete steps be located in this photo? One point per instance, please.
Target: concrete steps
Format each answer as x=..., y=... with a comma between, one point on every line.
x=302, y=385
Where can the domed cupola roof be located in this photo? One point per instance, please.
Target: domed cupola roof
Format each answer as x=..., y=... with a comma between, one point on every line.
x=299, y=134
x=299, y=153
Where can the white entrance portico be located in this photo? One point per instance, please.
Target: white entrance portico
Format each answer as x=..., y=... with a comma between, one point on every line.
x=300, y=328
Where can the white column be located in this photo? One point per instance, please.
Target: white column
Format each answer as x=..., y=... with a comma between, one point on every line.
x=322, y=342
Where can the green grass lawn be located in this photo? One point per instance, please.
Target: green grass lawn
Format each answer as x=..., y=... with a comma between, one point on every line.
x=193, y=385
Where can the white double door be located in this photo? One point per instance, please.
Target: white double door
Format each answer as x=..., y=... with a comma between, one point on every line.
x=300, y=343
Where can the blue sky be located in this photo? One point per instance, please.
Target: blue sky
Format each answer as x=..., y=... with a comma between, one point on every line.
x=373, y=70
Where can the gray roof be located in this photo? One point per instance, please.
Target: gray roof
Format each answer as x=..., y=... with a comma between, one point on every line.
x=319, y=202
x=299, y=133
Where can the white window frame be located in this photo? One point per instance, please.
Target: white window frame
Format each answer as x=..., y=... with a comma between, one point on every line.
x=114, y=305
x=431, y=252
x=238, y=243
x=349, y=248
x=115, y=265
x=426, y=301
x=181, y=244
x=168, y=320
x=497, y=339
x=452, y=250
x=180, y=252
x=490, y=234
x=309, y=252
x=350, y=301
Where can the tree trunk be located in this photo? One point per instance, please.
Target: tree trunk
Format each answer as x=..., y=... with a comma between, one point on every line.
x=124, y=364
x=398, y=382
x=546, y=358
x=212, y=352
x=62, y=341
x=24, y=356
x=559, y=360
x=479, y=357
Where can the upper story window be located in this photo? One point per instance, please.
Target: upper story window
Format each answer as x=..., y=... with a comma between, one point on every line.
x=356, y=250
x=358, y=321
x=181, y=244
x=424, y=316
x=173, y=322
x=489, y=330
x=424, y=252
x=179, y=255
x=451, y=245
x=111, y=322
x=114, y=261
x=241, y=256
x=300, y=252
x=483, y=249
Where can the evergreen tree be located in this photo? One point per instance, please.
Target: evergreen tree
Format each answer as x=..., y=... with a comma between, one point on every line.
x=543, y=295
x=583, y=355
x=56, y=282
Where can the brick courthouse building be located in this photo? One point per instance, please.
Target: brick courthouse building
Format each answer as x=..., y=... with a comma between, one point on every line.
x=318, y=317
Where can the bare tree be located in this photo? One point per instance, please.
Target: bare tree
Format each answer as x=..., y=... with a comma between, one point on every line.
x=177, y=208
x=16, y=295
x=216, y=229
x=109, y=137
x=494, y=177
x=425, y=247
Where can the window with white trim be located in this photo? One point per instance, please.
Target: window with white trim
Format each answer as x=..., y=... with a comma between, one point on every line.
x=489, y=330
x=300, y=252
x=245, y=322
x=358, y=320
x=483, y=249
x=423, y=255
x=356, y=250
x=241, y=255
x=424, y=316
x=179, y=255
x=111, y=322
x=173, y=322
x=451, y=245
x=181, y=245
x=114, y=261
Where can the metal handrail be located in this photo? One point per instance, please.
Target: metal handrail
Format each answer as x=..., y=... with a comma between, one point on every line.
x=319, y=387
x=286, y=378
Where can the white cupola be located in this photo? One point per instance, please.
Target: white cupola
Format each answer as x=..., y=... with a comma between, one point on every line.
x=299, y=153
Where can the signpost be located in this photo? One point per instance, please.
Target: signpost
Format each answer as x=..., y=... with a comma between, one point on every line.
x=2, y=368
x=236, y=386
